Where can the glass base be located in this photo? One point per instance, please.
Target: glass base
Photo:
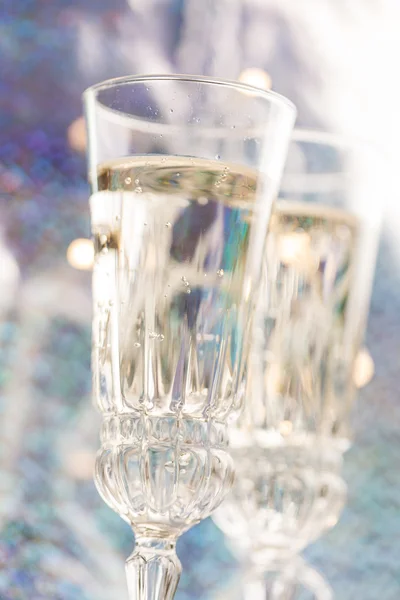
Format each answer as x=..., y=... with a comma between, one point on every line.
x=295, y=581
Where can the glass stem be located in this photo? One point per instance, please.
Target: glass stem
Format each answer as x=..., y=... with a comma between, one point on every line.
x=153, y=569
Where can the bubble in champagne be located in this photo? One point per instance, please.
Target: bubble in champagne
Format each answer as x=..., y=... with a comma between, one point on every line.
x=170, y=466
x=153, y=335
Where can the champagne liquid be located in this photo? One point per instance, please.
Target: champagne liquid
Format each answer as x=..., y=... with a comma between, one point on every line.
x=307, y=342
x=172, y=300
x=288, y=489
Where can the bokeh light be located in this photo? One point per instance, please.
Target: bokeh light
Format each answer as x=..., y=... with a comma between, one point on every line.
x=77, y=135
x=364, y=368
x=80, y=254
x=256, y=77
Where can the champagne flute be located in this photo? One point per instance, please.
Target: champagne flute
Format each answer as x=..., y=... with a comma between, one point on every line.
x=288, y=446
x=183, y=172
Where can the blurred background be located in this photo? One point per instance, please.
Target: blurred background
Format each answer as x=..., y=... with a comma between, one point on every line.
x=337, y=61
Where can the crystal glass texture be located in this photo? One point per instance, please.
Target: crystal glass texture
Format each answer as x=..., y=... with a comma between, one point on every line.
x=183, y=174
x=319, y=262
x=285, y=496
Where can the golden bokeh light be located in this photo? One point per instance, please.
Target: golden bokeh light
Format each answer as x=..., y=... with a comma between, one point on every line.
x=77, y=135
x=295, y=250
x=364, y=368
x=80, y=254
x=286, y=428
x=256, y=77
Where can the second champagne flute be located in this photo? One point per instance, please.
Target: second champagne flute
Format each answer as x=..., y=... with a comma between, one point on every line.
x=288, y=445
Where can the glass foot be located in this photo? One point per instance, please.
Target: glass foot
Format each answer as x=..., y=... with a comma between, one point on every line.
x=295, y=581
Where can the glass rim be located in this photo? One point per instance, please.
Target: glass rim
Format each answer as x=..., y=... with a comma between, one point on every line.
x=341, y=141
x=336, y=180
x=273, y=97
